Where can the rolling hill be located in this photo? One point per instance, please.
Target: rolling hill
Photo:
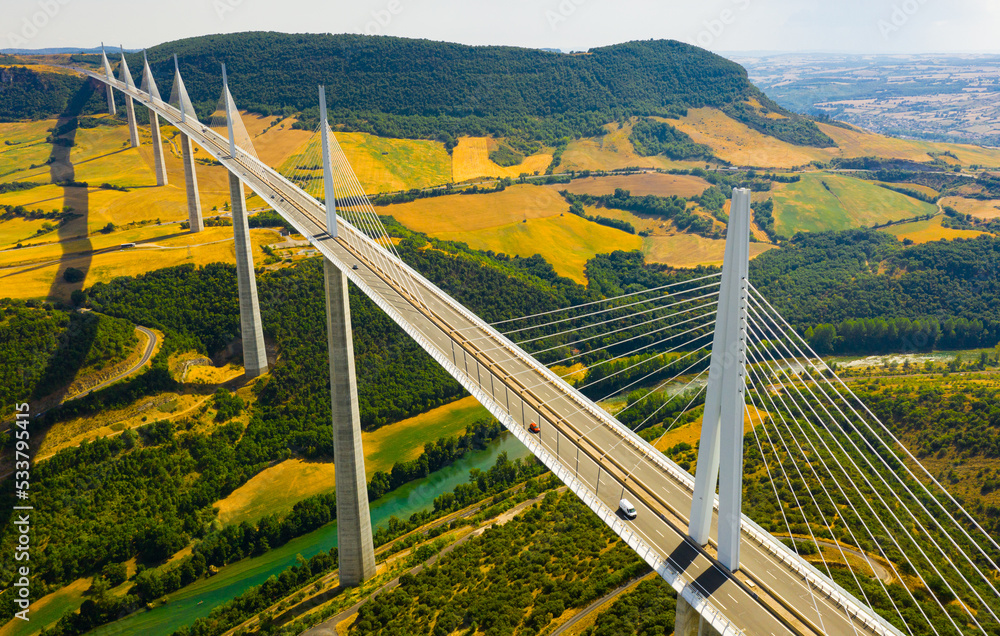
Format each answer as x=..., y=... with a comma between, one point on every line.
x=419, y=88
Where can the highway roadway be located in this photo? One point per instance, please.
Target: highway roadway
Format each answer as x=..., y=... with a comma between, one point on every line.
x=608, y=461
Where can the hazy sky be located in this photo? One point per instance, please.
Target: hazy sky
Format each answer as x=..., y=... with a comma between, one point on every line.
x=869, y=26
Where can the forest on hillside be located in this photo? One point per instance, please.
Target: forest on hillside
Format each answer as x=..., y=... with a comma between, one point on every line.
x=43, y=349
x=871, y=294
x=401, y=87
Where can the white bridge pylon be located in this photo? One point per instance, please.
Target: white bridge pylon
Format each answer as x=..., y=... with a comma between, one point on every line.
x=720, y=454
x=602, y=460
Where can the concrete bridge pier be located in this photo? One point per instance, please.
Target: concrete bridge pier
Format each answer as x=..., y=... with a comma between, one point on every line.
x=254, y=354
x=111, y=101
x=160, y=166
x=687, y=622
x=133, y=130
x=354, y=527
x=191, y=182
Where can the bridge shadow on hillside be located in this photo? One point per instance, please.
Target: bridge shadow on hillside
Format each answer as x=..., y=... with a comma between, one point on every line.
x=62, y=366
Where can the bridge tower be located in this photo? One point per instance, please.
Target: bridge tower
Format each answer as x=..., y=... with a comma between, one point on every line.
x=354, y=527
x=254, y=354
x=720, y=455
x=149, y=86
x=126, y=78
x=109, y=75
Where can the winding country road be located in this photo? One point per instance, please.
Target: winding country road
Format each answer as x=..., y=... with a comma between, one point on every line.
x=147, y=354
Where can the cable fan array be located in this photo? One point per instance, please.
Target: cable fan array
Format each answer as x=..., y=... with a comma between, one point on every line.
x=305, y=170
x=849, y=493
x=219, y=123
x=658, y=337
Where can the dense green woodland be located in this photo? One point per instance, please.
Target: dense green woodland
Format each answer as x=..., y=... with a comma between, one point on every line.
x=420, y=88
x=159, y=532
x=961, y=419
x=651, y=137
x=42, y=350
x=515, y=578
x=877, y=295
x=28, y=94
x=648, y=610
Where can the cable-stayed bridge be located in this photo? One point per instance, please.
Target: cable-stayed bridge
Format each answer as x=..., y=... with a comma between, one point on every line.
x=873, y=543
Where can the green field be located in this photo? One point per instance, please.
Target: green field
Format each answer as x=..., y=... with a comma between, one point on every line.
x=823, y=201
x=381, y=164
x=48, y=609
x=404, y=441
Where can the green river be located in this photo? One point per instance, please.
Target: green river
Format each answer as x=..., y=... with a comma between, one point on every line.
x=199, y=598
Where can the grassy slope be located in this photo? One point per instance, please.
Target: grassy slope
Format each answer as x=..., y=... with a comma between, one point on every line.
x=809, y=206
x=984, y=209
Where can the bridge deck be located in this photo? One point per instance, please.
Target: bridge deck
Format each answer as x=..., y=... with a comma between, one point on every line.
x=586, y=447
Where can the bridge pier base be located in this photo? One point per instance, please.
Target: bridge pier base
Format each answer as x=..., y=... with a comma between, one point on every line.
x=254, y=354
x=687, y=622
x=354, y=527
x=191, y=182
x=160, y=166
x=133, y=130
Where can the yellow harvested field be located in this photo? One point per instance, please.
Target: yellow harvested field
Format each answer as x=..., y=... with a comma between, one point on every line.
x=614, y=151
x=567, y=241
x=929, y=230
x=662, y=185
x=741, y=145
x=38, y=272
x=981, y=208
x=276, y=489
x=461, y=213
x=689, y=250
x=470, y=159
x=854, y=142
x=279, y=142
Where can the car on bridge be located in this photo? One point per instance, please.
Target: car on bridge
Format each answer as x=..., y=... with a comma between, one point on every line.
x=627, y=508
x=534, y=428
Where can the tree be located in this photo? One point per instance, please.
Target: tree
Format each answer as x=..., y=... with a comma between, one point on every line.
x=73, y=275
